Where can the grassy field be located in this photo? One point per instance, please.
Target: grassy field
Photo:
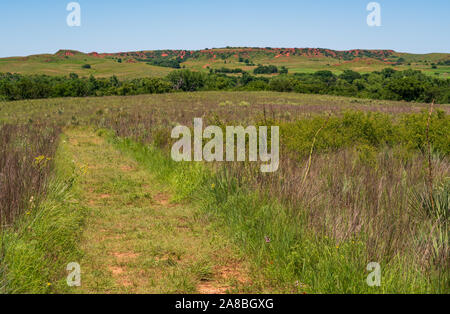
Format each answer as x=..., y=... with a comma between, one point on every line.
x=65, y=62
x=300, y=64
x=353, y=188
x=52, y=65
x=190, y=105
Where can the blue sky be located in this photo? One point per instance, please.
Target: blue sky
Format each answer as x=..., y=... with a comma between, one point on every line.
x=39, y=26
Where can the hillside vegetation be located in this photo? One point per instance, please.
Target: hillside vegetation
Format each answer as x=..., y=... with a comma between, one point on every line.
x=159, y=63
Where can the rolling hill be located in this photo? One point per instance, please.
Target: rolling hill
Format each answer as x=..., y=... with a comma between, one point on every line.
x=159, y=63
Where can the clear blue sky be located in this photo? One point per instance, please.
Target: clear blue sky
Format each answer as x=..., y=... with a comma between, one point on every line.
x=39, y=26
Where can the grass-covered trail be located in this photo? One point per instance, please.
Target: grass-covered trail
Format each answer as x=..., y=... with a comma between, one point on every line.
x=136, y=240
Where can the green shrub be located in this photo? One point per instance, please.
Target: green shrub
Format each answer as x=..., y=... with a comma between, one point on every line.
x=372, y=129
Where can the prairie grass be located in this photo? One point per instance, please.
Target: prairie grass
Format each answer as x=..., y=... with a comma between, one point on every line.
x=183, y=107
x=355, y=207
x=25, y=163
x=40, y=243
x=365, y=197
x=313, y=248
x=323, y=243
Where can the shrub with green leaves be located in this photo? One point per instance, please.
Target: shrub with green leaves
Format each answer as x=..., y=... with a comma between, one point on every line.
x=373, y=129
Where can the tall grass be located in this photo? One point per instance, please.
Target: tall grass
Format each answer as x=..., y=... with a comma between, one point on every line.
x=356, y=206
x=365, y=197
x=39, y=244
x=26, y=153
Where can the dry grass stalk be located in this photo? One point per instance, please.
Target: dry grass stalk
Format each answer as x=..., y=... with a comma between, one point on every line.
x=430, y=165
x=308, y=168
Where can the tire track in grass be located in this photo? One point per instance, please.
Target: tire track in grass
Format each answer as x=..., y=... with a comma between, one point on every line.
x=136, y=240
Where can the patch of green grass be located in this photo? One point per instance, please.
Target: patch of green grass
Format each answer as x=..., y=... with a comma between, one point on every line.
x=137, y=238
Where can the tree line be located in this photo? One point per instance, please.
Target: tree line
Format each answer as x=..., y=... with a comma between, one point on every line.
x=389, y=84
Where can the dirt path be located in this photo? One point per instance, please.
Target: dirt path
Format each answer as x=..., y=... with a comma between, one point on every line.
x=136, y=240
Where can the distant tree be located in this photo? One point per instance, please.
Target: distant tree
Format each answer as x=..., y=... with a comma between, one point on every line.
x=114, y=81
x=164, y=62
x=186, y=80
x=388, y=72
x=406, y=88
x=326, y=77
x=350, y=76
x=400, y=60
x=265, y=69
